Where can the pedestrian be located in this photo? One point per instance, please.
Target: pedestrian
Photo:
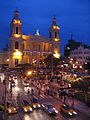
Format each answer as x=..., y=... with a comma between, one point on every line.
x=28, y=91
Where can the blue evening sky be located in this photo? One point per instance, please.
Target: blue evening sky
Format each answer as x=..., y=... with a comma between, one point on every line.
x=72, y=16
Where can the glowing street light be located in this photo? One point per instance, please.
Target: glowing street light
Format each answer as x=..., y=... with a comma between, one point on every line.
x=29, y=73
x=56, y=54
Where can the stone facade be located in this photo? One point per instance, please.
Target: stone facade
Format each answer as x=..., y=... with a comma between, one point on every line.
x=29, y=48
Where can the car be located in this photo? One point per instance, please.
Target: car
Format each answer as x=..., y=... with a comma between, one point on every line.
x=11, y=109
x=35, y=104
x=26, y=84
x=49, y=108
x=26, y=106
x=66, y=109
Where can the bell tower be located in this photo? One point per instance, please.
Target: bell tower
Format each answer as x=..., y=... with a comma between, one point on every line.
x=54, y=37
x=16, y=25
x=15, y=45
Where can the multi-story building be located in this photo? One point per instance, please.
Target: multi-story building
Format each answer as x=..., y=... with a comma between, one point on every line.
x=71, y=45
x=29, y=48
x=81, y=54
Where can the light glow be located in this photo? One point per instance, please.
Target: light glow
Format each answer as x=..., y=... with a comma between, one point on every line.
x=56, y=39
x=17, y=35
x=17, y=54
x=17, y=22
x=56, y=27
x=29, y=72
x=56, y=54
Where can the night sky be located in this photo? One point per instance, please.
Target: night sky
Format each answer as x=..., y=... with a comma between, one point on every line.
x=72, y=16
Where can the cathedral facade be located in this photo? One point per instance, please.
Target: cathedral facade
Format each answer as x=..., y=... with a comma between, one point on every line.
x=29, y=48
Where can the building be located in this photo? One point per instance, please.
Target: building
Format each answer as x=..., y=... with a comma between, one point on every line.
x=29, y=48
x=81, y=54
x=71, y=45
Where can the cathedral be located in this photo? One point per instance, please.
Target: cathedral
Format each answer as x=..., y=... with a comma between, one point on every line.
x=29, y=48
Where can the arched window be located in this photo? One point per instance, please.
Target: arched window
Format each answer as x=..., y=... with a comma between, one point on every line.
x=16, y=30
x=23, y=46
x=39, y=47
x=44, y=47
x=34, y=47
x=55, y=34
x=16, y=45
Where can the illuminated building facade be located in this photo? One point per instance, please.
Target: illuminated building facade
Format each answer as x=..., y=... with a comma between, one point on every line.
x=29, y=48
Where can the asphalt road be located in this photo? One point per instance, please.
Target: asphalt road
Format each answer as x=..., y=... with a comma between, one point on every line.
x=40, y=114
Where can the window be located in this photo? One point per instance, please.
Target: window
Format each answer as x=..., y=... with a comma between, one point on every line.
x=23, y=46
x=55, y=34
x=16, y=62
x=44, y=47
x=34, y=47
x=16, y=30
x=39, y=47
x=16, y=45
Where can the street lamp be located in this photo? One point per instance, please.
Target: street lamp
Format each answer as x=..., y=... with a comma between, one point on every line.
x=29, y=73
x=55, y=55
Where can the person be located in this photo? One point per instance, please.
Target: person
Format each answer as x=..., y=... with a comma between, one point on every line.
x=28, y=91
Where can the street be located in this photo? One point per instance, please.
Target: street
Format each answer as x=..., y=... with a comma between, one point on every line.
x=37, y=114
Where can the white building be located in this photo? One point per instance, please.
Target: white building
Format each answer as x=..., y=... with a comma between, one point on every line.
x=81, y=54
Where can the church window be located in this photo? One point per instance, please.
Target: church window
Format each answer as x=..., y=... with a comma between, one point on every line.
x=34, y=47
x=39, y=47
x=16, y=45
x=44, y=47
x=55, y=34
x=16, y=30
x=23, y=46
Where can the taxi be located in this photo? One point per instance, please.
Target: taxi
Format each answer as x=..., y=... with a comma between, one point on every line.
x=26, y=106
x=68, y=110
x=11, y=109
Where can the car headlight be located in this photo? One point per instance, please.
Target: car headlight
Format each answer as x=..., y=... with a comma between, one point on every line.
x=25, y=110
x=14, y=108
x=39, y=105
x=56, y=111
x=30, y=109
x=34, y=106
x=9, y=111
x=70, y=113
x=43, y=105
x=50, y=112
x=74, y=112
x=54, y=108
